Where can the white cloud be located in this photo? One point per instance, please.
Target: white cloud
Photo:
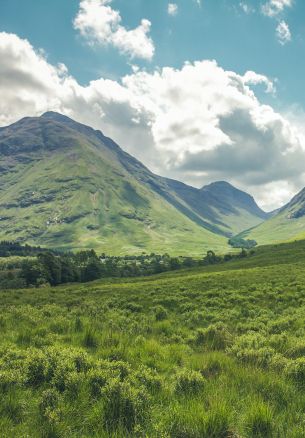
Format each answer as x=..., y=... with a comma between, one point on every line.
x=274, y=7
x=100, y=24
x=252, y=78
x=248, y=9
x=198, y=123
x=283, y=33
x=172, y=9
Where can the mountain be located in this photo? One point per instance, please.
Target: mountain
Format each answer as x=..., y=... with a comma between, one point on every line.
x=66, y=185
x=288, y=223
x=223, y=206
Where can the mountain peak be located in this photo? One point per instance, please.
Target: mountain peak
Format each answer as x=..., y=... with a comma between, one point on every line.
x=219, y=184
x=58, y=117
x=226, y=193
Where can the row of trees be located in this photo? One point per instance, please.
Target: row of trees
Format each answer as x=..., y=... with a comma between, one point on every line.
x=54, y=268
x=9, y=249
x=86, y=266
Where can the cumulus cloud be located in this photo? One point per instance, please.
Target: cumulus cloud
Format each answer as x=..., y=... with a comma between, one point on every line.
x=274, y=7
x=198, y=123
x=172, y=9
x=252, y=78
x=100, y=24
x=283, y=33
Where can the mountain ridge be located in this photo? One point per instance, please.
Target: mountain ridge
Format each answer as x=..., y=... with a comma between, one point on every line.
x=64, y=184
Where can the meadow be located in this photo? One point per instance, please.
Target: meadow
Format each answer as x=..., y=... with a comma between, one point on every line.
x=214, y=351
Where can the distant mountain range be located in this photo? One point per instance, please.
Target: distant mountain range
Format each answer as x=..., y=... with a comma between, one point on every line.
x=66, y=185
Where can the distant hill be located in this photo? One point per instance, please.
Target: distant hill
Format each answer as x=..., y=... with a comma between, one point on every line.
x=224, y=206
x=66, y=185
x=287, y=224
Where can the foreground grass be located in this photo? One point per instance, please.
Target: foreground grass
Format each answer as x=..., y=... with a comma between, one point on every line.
x=215, y=352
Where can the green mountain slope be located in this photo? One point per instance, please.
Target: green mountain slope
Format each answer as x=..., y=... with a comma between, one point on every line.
x=65, y=185
x=228, y=209
x=286, y=225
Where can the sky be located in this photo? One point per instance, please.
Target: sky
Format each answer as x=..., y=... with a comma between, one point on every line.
x=197, y=90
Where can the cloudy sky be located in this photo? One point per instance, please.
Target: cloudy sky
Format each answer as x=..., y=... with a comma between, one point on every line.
x=197, y=90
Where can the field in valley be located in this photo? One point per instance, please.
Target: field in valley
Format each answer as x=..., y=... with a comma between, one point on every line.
x=209, y=352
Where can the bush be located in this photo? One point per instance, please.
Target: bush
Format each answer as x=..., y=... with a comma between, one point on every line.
x=9, y=379
x=36, y=367
x=160, y=313
x=149, y=378
x=188, y=382
x=49, y=399
x=215, y=337
x=116, y=368
x=62, y=374
x=73, y=383
x=97, y=380
x=296, y=370
x=124, y=406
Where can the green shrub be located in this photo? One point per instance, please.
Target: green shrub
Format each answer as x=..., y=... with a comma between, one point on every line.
x=117, y=368
x=124, y=405
x=149, y=378
x=9, y=379
x=49, y=401
x=188, y=382
x=160, y=313
x=297, y=349
x=73, y=382
x=62, y=374
x=97, y=380
x=215, y=337
x=296, y=370
x=36, y=368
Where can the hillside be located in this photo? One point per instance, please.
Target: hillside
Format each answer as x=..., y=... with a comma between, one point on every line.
x=226, y=209
x=287, y=225
x=65, y=185
x=194, y=353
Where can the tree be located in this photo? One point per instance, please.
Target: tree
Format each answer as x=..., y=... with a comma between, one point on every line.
x=211, y=258
x=51, y=266
x=32, y=272
x=92, y=271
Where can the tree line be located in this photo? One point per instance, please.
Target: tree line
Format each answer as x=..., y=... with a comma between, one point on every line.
x=54, y=268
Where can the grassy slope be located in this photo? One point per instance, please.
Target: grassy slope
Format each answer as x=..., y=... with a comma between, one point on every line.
x=92, y=202
x=239, y=325
x=277, y=229
x=65, y=185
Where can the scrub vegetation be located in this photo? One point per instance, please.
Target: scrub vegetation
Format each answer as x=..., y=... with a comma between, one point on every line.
x=212, y=351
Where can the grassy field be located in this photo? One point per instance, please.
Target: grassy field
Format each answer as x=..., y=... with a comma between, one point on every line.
x=213, y=352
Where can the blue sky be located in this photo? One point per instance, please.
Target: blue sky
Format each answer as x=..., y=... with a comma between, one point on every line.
x=196, y=122
x=218, y=30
